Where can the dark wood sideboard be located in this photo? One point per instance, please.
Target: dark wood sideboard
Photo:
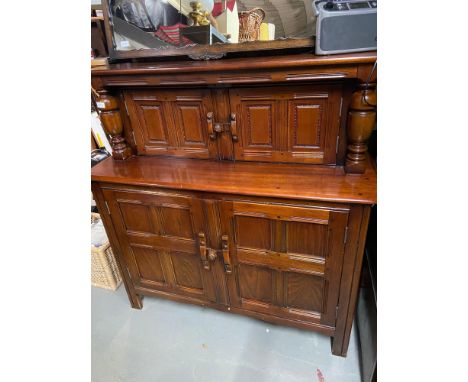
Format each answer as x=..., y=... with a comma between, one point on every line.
x=241, y=184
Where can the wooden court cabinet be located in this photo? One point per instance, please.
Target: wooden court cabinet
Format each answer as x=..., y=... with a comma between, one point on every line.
x=241, y=185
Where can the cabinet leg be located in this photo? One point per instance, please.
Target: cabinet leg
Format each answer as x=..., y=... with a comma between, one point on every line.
x=339, y=348
x=136, y=301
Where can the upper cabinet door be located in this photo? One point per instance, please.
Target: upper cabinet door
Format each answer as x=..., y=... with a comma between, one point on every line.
x=287, y=124
x=171, y=122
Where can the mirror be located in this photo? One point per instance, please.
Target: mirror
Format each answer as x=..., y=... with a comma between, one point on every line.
x=144, y=28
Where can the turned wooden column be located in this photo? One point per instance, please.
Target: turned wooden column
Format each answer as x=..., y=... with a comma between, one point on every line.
x=361, y=121
x=112, y=123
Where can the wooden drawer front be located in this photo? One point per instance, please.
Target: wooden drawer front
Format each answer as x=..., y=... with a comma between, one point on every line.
x=159, y=237
x=287, y=124
x=286, y=260
x=171, y=122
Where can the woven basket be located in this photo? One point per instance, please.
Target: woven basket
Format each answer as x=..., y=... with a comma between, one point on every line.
x=249, y=24
x=104, y=270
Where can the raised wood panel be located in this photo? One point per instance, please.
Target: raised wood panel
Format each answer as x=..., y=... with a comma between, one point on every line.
x=258, y=119
x=136, y=217
x=187, y=270
x=176, y=222
x=189, y=122
x=253, y=232
x=151, y=123
x=305, y=124
x=155, y=125
x=148, y=262
x=255, y=283
x=306, y=238
x=303, y=292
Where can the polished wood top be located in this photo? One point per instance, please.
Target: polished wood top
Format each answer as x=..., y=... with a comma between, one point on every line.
x=291, y=181
x=235, y=64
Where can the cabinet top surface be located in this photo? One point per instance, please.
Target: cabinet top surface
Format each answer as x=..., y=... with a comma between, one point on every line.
x=252, y=63
x=289, y=181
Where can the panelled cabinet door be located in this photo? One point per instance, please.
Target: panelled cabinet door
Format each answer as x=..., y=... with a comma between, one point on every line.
x=171, y=122
x=287, y=124
x=159, y=237
x=286, y=260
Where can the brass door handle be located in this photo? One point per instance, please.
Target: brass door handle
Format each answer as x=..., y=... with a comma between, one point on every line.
x=235, y=138
x=226, y=258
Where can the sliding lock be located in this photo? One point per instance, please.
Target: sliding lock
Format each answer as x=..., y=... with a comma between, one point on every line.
x=215, y=128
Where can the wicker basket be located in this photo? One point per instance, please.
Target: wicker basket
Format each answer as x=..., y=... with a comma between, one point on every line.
x=249, y=24
x=104, y=270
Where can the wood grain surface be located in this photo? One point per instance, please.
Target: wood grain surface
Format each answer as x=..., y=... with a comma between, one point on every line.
x=292, y=181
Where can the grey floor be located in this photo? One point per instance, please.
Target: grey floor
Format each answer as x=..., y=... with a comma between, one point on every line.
x=169, y=341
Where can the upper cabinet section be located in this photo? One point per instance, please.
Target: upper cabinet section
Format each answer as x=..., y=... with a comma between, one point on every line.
x=290, y=124
x=305, y=109
x=293, y=124
x=171, y=122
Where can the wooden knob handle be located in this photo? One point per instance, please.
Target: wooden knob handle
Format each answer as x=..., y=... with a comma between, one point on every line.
x=212, y=254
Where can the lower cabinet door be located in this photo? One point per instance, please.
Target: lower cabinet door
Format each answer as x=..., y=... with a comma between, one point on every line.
x=285, y=260
x=159, y=236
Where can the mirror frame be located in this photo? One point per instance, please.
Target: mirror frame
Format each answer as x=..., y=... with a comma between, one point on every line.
x=200, y=52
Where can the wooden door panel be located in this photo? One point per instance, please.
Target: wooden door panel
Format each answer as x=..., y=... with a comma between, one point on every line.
x=189, y=118
x=306, y=238
x=253, y=232
x=255, y=282
x=187, y=271
x=286, y=259
x=149, y=266
x=295, y=284
x=171, y=122
x=136, y=217
x=287, y=124
x=159, y=234
x=154, y=124
x=305, y=123
x=258, y=118
x=176, y=222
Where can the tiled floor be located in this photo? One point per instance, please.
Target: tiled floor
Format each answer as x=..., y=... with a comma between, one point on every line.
x=168, y=341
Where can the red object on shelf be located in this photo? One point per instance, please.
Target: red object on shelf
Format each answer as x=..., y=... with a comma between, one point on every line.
x=171, y=34
x=218, y=7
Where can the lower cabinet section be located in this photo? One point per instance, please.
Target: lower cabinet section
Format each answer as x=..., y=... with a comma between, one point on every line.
x=279, y=260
